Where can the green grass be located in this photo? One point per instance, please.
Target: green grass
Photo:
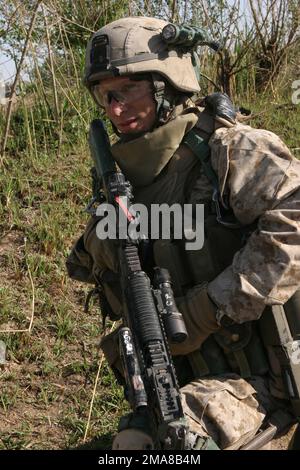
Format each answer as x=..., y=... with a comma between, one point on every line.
x=278, y=115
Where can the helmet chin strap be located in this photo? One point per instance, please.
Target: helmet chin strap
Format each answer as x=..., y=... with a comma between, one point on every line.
x=163, y=104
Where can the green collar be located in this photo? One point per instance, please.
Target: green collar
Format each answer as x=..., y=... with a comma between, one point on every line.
x=142, y=159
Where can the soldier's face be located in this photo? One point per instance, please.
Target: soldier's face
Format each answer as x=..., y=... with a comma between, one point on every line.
x=129, y=104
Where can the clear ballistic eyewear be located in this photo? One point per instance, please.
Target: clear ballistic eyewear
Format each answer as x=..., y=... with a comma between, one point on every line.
x=127, y=94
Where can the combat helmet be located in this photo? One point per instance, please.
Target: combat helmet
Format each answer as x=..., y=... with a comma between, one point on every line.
x=135, y=45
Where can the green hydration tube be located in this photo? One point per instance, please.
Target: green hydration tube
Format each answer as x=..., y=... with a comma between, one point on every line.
x=100, y=150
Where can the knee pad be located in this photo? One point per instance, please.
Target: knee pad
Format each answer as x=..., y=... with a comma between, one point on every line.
x=132, y=439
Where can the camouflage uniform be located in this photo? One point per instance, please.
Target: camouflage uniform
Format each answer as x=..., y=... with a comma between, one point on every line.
x=260, y=180
x=263, y=180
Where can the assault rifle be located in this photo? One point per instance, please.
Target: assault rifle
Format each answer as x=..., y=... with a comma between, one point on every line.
x=150, y=316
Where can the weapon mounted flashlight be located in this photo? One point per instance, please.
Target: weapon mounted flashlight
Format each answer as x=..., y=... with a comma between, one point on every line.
x=172, y=318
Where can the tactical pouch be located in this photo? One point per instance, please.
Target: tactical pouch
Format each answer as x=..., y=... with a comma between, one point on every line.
x=80, y=264
x=237, y=349
x=110, y=347
x=211, y=403
x=112, y=295
x=243, y=349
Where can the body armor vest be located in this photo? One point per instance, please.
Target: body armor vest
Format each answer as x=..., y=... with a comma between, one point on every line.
x=237, y=348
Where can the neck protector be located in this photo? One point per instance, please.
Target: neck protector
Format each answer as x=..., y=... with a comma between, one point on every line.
x=142, y=159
